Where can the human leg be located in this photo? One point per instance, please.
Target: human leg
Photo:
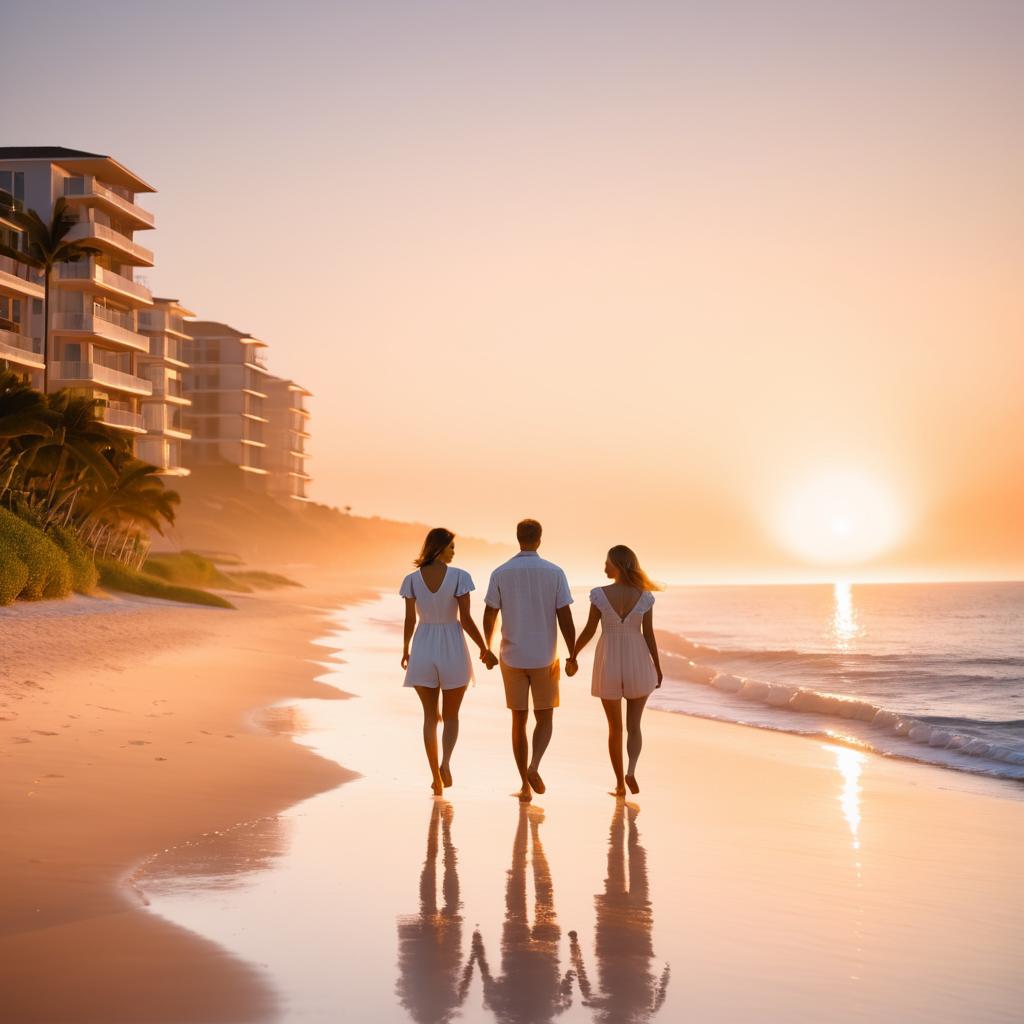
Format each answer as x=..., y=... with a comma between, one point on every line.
x=613, y=712
x=428, y=698
x=634, y=739
x=451, y=701
x=521, y=750
x=542, y=728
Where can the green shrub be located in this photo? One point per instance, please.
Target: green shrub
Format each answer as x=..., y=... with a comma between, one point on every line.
x=49, y=571
x=13, y=571
x=191, y=570
x=119, y=577
x=84, y=575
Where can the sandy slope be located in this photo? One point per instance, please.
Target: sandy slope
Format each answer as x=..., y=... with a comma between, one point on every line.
x=125, y=727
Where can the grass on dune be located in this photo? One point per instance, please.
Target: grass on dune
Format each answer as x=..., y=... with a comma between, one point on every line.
x=115, y=576
x=188, y=569
x=263, y=580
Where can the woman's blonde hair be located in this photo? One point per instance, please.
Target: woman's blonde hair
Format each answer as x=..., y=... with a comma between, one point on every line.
x=624, y=559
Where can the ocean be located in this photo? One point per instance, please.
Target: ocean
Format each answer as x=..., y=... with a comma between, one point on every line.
x=928, y=672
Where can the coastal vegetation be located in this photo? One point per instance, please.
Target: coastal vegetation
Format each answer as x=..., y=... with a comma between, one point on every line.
x=191, y=569
x=117, y=576
x=72, y=494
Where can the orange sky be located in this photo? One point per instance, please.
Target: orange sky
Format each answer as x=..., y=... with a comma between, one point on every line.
x=633, y=270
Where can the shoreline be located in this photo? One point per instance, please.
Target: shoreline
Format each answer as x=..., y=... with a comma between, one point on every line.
x=115, y=745
x=821, y=871
x=72, y=896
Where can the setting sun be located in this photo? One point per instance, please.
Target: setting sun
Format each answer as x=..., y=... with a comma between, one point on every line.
x=841, y=517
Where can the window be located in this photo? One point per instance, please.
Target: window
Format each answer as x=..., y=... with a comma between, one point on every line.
x=10, y=310
x=13, y=182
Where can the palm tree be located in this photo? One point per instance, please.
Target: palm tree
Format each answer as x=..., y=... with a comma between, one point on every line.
x=46, y=245
x=24, y=414
x=136, y=495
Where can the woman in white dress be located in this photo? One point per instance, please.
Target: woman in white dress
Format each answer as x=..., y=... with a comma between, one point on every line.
x=626, y=665
x=439, y=662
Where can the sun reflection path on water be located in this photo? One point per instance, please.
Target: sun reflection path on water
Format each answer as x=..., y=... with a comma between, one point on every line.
x=845, y=627
x=850, y=764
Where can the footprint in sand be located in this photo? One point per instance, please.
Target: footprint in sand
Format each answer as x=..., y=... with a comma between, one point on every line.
x=44, y=732
x=21, y=739
x=159, y=758
x=138, y=743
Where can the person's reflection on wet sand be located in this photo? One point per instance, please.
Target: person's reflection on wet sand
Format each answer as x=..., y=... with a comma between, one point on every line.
x=432, y=984
x=628, y=992
x=531, y=988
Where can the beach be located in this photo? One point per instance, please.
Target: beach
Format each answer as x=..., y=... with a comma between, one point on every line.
x=293, y=865
x=125, y=727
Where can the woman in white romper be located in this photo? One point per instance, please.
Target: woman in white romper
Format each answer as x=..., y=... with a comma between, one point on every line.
x=439, y=663
x=626, y=665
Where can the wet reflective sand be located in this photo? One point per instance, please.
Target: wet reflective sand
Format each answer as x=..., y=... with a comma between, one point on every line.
x=756, y=877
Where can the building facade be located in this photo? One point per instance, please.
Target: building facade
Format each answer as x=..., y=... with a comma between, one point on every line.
x=163, y=412
x=21, y=311
x=226, y=381
x=95, y=341
x=286, y=433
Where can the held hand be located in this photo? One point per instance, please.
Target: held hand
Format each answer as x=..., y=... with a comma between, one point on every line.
x=489, y=659
x=405, y=660
x=571, y=667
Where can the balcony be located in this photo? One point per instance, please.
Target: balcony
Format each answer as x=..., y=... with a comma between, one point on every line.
x=17, y=277
x=104, y=237
x=88, y=191
x=20, y=348
x=90, y=273
x=123, y=419
x=108, y=324
x=97, y=373
x=170, y=391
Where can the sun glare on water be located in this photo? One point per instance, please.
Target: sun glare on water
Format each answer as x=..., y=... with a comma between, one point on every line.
x=840, y=518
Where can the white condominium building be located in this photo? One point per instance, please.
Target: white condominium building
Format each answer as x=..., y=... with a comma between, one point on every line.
x=21, y=309
x=286, y=433
x=226, y=381
x=163, y=412
x=95, y=341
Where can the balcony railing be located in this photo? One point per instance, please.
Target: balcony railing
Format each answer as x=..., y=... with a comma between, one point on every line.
x=100, y=374
x=20, y=346
x=170, y=388
x=110, y=324
x=120, y=417
x=87, y=229
x=118, y=198
x=21, y=270
x=88, y=270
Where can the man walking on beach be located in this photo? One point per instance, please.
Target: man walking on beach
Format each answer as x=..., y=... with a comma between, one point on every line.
x=532, y=596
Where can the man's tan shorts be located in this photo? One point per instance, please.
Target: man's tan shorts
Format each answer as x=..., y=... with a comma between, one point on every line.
x=541, y=682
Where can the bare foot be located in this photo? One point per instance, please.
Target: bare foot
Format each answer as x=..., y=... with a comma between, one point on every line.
x=634, y=786
x=618, y=791
x=446, y=775
x=437, y=786
x=536, y=781
x=524, y=795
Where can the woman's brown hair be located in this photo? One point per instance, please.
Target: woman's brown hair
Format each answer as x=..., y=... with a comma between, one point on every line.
x=437, y=540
